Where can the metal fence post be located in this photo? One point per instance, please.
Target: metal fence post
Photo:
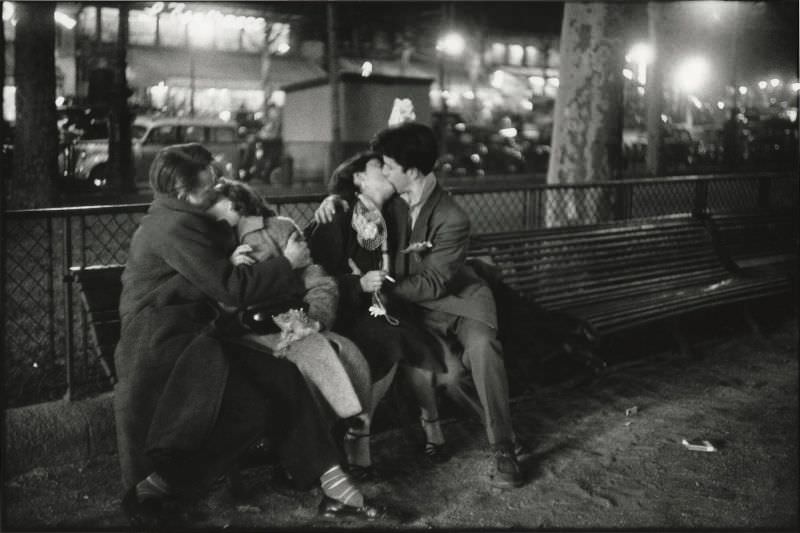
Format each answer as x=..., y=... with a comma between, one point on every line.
x=622, y=205
x=700, y=197
x=528, y=209
x=68, y=337
x=764, y=186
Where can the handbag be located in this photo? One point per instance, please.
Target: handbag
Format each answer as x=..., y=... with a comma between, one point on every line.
x=258, y=317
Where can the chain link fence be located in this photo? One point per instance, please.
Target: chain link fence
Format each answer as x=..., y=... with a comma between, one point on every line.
x=46, y=341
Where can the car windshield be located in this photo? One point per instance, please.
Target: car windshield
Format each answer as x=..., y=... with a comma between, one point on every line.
x=137, y=132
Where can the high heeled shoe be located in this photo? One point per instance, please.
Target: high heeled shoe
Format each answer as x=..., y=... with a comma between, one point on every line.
x=434, y=452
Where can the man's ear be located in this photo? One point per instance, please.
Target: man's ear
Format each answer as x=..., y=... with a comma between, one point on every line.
x=414, y=173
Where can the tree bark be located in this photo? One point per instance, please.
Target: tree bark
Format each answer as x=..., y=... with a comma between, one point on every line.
x=35, y=161
x=587, y=131
x=120, y=156
x=655, y=90
x=333, y=77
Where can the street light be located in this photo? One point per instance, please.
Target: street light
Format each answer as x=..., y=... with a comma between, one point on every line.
x=640, y=54
x=451, y=44
x=692, y=73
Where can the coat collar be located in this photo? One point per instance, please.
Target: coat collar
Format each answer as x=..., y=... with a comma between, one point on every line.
x=162, y=201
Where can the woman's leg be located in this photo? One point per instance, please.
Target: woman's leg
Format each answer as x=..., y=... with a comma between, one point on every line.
x=423, y=387
x=357, y=439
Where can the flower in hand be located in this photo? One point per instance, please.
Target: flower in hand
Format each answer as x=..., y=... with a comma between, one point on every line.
x=295, y=324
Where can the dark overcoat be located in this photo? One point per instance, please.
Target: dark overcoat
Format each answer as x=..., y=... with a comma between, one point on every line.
x=170, y=363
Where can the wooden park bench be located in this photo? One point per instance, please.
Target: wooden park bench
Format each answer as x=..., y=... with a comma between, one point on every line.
x=622, y=275
x=614, y=276
x=756, y=239
x=100, y=287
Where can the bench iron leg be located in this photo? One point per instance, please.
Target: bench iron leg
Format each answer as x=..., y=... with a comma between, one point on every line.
x=752, y=323
x=683, y=342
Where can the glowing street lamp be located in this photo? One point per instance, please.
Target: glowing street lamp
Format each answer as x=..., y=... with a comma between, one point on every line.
x=692, y=74
x=452, y=44
x=640, y=54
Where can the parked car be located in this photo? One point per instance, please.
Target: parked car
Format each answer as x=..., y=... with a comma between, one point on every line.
x=472, y=150
x=149, y=135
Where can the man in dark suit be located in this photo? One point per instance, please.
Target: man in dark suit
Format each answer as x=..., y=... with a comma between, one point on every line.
x=430, y=238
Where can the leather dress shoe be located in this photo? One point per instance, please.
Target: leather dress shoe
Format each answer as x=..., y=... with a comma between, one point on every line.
x=506, y=472
x=330, y=509
x=144, y=514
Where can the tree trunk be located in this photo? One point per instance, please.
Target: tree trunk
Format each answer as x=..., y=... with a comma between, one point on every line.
x=655, y=90
x=587, y=129
x=333, y=77
x=120, y=157
x=35, y=162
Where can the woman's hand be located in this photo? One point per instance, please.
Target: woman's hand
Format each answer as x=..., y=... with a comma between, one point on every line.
x=327, y=209
x=240, y=257
x=297, y=252
x=373, y=280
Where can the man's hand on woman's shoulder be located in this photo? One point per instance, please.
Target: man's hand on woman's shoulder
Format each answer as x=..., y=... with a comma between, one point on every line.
x=327, y=208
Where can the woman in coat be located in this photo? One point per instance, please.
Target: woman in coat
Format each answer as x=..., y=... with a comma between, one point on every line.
x=385, y=340
x=188, y=399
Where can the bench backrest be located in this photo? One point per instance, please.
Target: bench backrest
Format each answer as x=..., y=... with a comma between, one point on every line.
x=744, y=236
x=562, y=268
x=100, y=290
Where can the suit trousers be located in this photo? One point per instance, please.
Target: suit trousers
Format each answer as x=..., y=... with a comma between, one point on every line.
x=476, y=378
x=263, y=395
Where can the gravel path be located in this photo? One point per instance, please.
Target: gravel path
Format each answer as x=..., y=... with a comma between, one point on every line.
x=593, y=467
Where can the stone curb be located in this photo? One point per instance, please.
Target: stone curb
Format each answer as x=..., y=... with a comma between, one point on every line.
x=58, y=432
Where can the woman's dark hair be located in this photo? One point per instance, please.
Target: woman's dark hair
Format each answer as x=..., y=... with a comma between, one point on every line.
x=341, y=182
x=411, y=144
x=244, y=199
x=175, y=169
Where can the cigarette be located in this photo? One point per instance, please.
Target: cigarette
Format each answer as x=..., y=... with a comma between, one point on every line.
x=390, y=278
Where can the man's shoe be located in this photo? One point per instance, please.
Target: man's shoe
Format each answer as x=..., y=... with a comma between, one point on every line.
x=506, y=472
x=145, y=514
x=330, y=509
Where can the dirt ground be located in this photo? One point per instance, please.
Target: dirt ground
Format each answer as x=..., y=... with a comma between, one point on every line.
x=593, y=467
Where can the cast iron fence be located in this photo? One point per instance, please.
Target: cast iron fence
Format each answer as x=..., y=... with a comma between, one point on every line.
x=45, y=342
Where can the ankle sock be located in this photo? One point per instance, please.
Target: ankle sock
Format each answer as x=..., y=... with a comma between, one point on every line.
x=153, y=486
x=337, y=485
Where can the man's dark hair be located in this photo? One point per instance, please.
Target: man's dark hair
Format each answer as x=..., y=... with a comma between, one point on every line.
x=341, y=182
x=175, y=169
x=244, y=199
x=411, y=144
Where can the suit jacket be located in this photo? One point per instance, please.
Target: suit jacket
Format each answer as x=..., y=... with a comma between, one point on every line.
x=438, y=278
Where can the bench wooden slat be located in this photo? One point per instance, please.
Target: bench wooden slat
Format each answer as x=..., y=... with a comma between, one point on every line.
x=631, y=272
x=100, y=289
